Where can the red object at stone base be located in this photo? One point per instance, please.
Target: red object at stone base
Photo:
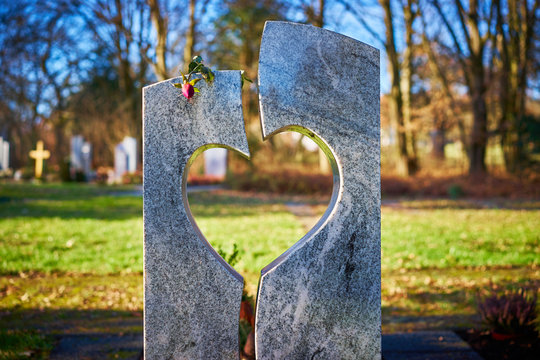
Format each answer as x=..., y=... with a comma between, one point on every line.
x=246, y=313
x=501, y=337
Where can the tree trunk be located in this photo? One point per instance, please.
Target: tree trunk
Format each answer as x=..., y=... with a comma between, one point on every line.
x=396, y=96
x=160, y=25
x=190, y=35
x=441, y=78
x=320, y=17
x=438, y=138
x=478, y=145
x=406, y=82
x=515, y=46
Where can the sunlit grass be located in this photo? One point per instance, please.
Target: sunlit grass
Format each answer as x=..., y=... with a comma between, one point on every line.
x=73, y=254
x=445, y=238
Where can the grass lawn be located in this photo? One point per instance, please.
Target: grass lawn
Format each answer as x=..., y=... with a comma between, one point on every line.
x=71, y=256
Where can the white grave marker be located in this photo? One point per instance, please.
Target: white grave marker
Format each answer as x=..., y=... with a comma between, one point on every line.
x=215, y=162
x=125, y=157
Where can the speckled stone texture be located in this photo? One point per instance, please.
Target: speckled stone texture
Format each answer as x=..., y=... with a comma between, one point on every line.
x=191, y=296
x=321, y=298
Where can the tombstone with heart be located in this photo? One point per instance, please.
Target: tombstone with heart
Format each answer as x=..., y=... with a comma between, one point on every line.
x=319, y=299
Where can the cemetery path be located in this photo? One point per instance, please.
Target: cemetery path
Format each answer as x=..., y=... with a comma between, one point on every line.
x=138, y=190
x=307, y=215
x=426, y=345
x=443, y=203
x=99, y=346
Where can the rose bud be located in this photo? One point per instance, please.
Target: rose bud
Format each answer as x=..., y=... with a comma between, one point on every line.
x=187, y=90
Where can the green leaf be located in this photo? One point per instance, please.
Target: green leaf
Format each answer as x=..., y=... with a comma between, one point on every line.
x=196, y=89
x=207, y=74
x=177, y=85
x=184, y=79
x=194, y=81
x=192, y=66
x=244, y=77
x=197, y=61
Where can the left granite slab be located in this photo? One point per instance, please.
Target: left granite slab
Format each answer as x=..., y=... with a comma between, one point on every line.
x=191, y=295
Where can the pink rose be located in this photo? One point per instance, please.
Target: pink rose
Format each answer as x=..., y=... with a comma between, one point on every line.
x=187, y=90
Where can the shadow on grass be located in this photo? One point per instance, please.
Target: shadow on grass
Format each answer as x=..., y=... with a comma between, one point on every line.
x=407, y=323
x=101, y=208
x=91, y=202
x=69, y=201
x=72, y=321
x=72, y=333
x=60, y=191
x=463, y=204
x=412, y=303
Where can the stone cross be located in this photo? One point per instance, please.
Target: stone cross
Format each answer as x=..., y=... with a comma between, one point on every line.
x=39, y=155
x=321, y=298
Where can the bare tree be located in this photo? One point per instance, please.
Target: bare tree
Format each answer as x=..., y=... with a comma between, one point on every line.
x=443, y=70
x=40, y=65
x=517, y=22
x=463, y=23
x=160, y=23
x=189, y=47
x=314, y=13
x=401, y=69
x=117, y=27
x=409, y=154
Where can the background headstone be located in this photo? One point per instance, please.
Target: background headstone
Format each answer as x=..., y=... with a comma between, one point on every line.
x=80, y=155
x=125, y=157
x=75, y=155
x=215, y=162
x=4, y=154
x=87, y=158
x=191, y=295
x=321, y=298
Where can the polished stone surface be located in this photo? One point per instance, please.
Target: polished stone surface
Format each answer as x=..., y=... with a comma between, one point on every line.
x=191, y=296
x=321, y=298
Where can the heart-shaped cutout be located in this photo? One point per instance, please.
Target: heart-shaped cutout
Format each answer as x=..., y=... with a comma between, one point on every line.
x=262, y=225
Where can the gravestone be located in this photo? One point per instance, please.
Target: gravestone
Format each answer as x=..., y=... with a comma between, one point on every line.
x=80, y=155
x=321, y=298
x=125, y=157
x=215, y=162
x=192, y=296
x=4, y=154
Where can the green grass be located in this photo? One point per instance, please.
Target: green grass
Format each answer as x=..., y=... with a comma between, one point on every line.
x=52, y=228
x=85, y=230
x=446, y=238
x=261, y=229
x=24, y=344
x=71, y=255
